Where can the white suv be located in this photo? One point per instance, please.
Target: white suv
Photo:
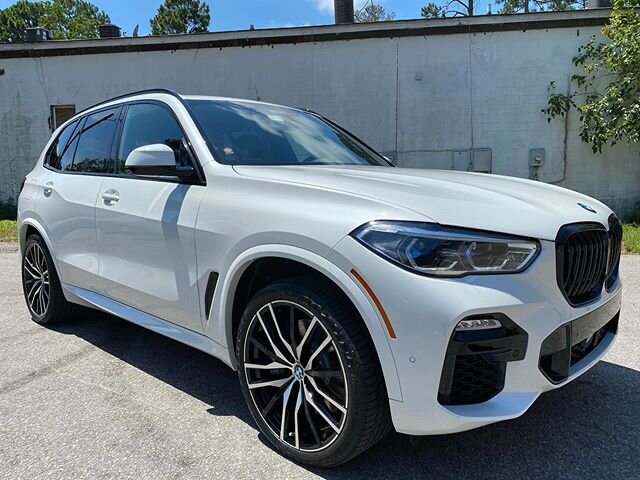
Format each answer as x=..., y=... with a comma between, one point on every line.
x=351, y=296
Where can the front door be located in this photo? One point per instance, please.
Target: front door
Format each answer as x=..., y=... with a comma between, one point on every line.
x=145, y=226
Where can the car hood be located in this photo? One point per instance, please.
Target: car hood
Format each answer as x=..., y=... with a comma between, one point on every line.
x=480, y=201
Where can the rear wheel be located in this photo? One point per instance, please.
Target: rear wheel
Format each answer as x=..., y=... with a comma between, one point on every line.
x=309, y=373
x=41, y=285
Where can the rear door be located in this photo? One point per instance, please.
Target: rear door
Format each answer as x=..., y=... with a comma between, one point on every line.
x=75, y=167
x=146, y=225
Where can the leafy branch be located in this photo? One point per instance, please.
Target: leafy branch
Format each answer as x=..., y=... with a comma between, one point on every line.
x=606, y=91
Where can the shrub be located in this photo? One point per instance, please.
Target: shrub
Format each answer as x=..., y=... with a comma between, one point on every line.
x=8, y=211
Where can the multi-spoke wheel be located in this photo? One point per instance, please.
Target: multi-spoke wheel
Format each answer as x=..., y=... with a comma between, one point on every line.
x=41, y=286
x=309, y=373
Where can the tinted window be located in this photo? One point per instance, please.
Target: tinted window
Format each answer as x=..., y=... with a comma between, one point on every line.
x=57, y=149
x=93, y=152
x=243, y=133
x=148, y=124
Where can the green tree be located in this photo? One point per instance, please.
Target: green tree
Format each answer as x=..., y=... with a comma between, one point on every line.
x=373, y=13
x=525, y=6
x=67, y=19
x=606, y=91
x=181, y=16
x=73, y=19
x=432, y=10
x=15, y=20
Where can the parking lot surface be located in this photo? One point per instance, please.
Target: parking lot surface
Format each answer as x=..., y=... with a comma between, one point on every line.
x=102, y=398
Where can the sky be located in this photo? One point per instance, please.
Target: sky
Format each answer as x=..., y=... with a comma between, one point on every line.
x=240, y=14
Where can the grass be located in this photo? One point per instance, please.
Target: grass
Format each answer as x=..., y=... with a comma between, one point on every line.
x=631, y=237
x=8, y=231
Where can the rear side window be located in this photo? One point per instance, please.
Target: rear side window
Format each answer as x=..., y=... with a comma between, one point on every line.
x=93, y=152
x=59, y=147
x=148, y=124
x=85, y=145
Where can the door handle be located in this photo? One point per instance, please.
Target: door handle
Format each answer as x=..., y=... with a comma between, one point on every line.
x=47, y=188
x=111, y=196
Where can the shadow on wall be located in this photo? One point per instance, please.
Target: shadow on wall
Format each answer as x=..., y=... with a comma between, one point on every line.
x=589, y=429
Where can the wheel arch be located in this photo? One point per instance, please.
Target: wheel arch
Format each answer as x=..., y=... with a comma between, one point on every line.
x=29, y=226
x=236, y=291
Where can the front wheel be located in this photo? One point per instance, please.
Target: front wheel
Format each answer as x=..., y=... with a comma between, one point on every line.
x=309, y=373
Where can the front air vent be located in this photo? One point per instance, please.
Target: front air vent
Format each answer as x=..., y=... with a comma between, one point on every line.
x=208, y=293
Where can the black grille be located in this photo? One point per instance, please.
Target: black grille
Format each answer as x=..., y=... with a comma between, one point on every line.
x=588, y=345
x=475, y=380
x=576, y=340
x=587, y=256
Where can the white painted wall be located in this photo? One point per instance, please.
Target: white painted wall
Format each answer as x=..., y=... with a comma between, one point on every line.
x=481, y=90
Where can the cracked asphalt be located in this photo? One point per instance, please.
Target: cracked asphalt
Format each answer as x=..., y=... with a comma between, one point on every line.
x=101, y=398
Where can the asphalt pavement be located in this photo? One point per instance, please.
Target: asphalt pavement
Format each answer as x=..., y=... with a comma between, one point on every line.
x=102, y=398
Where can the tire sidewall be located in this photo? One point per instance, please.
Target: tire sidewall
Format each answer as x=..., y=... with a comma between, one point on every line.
x=348, y=438
x=46, y=318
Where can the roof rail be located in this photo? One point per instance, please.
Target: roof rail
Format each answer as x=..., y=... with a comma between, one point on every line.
x=139, y=92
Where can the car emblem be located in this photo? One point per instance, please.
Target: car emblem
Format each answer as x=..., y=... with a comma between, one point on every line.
x=587, y=207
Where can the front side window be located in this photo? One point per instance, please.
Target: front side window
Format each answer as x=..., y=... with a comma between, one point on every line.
x=148, y=124
x=242, y=133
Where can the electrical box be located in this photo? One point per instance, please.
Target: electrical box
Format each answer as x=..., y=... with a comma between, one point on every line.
x=460, y=160
x=481, y=160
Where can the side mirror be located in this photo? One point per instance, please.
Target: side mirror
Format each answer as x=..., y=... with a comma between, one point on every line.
x=156, y=160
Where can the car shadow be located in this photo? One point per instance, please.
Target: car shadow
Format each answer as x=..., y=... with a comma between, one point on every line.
x=588, y=429
x=194, y=372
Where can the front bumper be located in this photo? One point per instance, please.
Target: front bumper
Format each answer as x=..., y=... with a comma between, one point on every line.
x=424, y=312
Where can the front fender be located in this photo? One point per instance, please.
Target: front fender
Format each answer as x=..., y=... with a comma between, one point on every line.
x=220, y=325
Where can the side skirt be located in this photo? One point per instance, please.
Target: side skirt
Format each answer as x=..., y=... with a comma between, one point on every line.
x=183, y=335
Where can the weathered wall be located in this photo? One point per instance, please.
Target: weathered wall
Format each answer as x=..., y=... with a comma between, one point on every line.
x=425, y=100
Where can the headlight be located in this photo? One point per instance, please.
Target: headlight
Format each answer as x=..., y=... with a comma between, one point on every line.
x=447, y=251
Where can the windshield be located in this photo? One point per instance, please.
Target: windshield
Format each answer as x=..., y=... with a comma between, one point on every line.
x=242, y=133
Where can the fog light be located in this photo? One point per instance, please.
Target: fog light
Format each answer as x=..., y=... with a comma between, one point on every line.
x=477, y=324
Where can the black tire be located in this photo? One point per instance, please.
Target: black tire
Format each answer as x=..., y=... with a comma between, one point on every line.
x=367, y=418
x=57, y=309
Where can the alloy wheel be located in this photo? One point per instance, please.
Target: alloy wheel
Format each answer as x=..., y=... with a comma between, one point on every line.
x=295, y=376
x=36, y=280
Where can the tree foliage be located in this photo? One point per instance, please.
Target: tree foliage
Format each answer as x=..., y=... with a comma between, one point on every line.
x=67, y=19
x=72, y=19
x=606, y=91
x=466, y=8
x=431, y=10
x=525, y=6
x=373, y=13
x=181, y=16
